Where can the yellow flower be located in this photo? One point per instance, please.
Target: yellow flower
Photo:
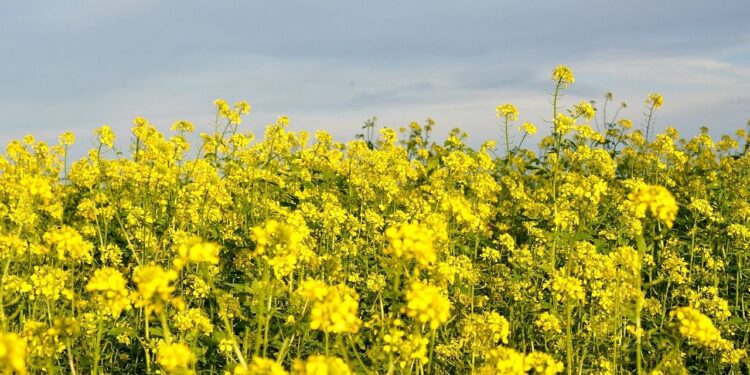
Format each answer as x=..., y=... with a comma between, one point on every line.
x=411, y=241
x=242, y=107
x=193, y=321
x=698, y=328
x=656, y=200
x=194, y=250
x=508, y=111
x=105, y=135
x=585, y=110
x=529, y=127
x=226, y=346
x=111, y=289
x=175, y=358
x=625, y=123
x=48, y=282
x=11, y=246
x=567, y=288
x=486, y=330
x=37, y=186
x=654, y=100
x=69, y=244
x=334, y=308
x=263, y=366
x=321, y=365
x=563, y=124
x=67, y=138
x=548, y=323
x=222, y=107
x=563, y=75
x=154, y=283
x=12, y=353
x=183, y=126
x=427, y=304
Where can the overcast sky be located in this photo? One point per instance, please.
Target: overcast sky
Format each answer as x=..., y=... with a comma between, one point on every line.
x=75, y=65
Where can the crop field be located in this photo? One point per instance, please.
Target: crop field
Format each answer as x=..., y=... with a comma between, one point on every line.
x=606, y=248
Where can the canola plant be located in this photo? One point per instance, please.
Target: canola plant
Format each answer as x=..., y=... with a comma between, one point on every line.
x=606, y=250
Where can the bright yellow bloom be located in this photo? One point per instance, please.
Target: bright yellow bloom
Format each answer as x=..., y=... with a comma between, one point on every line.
x=192, y=321
x=334, y=308
x=507, y=111
x=508, y=361
x=222, y=107
x=242, y=107
x=656, y=200
x=655, y=100
x=69, y=244
x=427, y=304
x=262, y=366
x=411, y=241
x=625, y=123
x=183, y=126
x=37, y=186
x=67, y=138
x=111, y=289
x=48, y=282
x=485, y=330
x=154, y=282
x=548, y=323
x=321, y=365
x=564, y=75
x=698, y=328
x=194, y=250
x=567, y=288
x=11, y=246
x=175, y=358
x=12, y=354
x=585, y=110
x=105, y=135
x=529, y=127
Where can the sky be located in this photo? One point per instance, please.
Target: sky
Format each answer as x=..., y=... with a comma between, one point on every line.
x=76, y=65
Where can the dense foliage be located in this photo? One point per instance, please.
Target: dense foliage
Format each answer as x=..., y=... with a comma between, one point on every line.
x=608, y=250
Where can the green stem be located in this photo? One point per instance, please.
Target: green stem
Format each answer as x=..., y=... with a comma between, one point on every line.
x=569, y=337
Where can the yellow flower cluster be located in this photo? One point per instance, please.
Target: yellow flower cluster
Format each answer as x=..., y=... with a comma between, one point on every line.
x=195, y=250
x=502, y=360
x=37, y=186
x=334, y=308
x=261, y=366
x=507, y=111
x=657, y=201
x=427, y=304
x=106, y=136
x=282, y=244
x=698, y=328
x=485, y=331
x=48, y=283
x=411, y=241
x=321, y=365
x=567, y=288
x=110, y=288
x=68, y=244
x=655, y=100
x=229, y=252
x=12, y=354
x=548, y=323
x=154, y=284
x=563, y=75
x=175, y=358
x=11, y=246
